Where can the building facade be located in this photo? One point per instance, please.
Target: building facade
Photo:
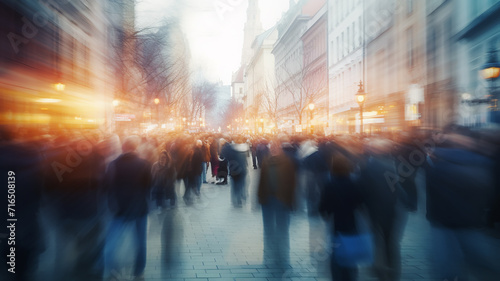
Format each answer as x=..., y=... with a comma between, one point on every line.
x=345, y=62
x=55, y=67
x=292, y=89
x=315, y=64
x=477, y=32
x=260, y=82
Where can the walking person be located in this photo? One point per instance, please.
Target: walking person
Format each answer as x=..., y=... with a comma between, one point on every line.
x=387, y=204
x=459, y=184
x=214, y=157
x=205, y=149
x=75, y=206
x=339, y=201
x=163, y=178
x=276, y=194
x=128, y=181
x=236, y=156
x=196, y=170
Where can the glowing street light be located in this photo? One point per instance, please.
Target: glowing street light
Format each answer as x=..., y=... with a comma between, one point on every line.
x=60, y=87
x=360, y=98
x=491, y=69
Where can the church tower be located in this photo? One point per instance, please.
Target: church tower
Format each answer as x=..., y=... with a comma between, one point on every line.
x=253, y=27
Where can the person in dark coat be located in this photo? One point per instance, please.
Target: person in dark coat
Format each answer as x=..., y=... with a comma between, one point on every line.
x=205, y=148
x=129, y=184
x=459, y=184
x=163, y=178
x=387, y=204
x=236, y=155
x=276, y=194
x=339, y=200
x=222, y=164
x=73, y=189
x=262, y=151
x=214, y=156
x=195, y=171
x=21, y=167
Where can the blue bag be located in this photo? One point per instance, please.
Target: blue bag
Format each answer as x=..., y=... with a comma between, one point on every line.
x=353, y=250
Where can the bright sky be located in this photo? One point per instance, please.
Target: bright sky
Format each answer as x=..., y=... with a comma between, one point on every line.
x=214, y=29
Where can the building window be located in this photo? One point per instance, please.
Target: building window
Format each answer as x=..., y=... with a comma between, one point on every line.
x=348, y=39
x=409, y=38
x=343, y=45
x=353, y=40
x=409, y=6
x=360, y=27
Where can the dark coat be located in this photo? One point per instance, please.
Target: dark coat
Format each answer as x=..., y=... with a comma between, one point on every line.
x=237, y=161
x=163, y=179
x=73, y=181
x=277, y=179
x=21, y=169
x=196, y=162
x=129, y=183
x=459, y=188
x=340, y=198
x=380, y=187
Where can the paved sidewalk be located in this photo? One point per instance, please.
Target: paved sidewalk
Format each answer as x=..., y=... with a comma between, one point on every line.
x=212, y=240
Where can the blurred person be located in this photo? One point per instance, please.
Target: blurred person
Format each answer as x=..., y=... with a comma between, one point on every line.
x=196, y=168
x=181, y=152
x=309, y=167
x=214, y=157
x=276, y=194
x=222, y=166
x=236, y=156
x=340, y=199
x=73, y=189
x=21, y=166
x=404, y=156
x=163, y=179
x=205, y=149
x=262, y=151
x=128, y=182
x=459, y=185
x=387, y=204
x=253, y=150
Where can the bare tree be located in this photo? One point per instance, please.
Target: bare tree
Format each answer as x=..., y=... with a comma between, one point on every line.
x=305, y=85
x=148, y=67
x=270, y=101
x=233, y=111
x=204, y=97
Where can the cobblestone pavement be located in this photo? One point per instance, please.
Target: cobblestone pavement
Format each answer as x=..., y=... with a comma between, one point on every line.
x=212, y=240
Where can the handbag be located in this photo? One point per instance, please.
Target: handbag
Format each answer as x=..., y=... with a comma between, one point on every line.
x=351, y=250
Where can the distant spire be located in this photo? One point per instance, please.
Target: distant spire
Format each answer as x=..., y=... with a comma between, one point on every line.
x=253, y=27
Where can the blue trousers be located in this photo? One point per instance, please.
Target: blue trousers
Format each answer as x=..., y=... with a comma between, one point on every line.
x=114, y=237
x=276, y=218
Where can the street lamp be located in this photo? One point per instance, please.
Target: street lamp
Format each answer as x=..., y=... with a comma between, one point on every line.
x=490, y=72
x=360, y=98
x=491, y=69
x=157, y=101
x=60, y=87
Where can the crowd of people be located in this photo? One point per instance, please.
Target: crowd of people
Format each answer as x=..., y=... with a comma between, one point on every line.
x=91, y=186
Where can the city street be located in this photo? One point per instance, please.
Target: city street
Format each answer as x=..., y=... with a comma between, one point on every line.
x=212, y=240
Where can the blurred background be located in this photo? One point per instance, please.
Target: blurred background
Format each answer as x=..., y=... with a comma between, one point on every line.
x=247, y=66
